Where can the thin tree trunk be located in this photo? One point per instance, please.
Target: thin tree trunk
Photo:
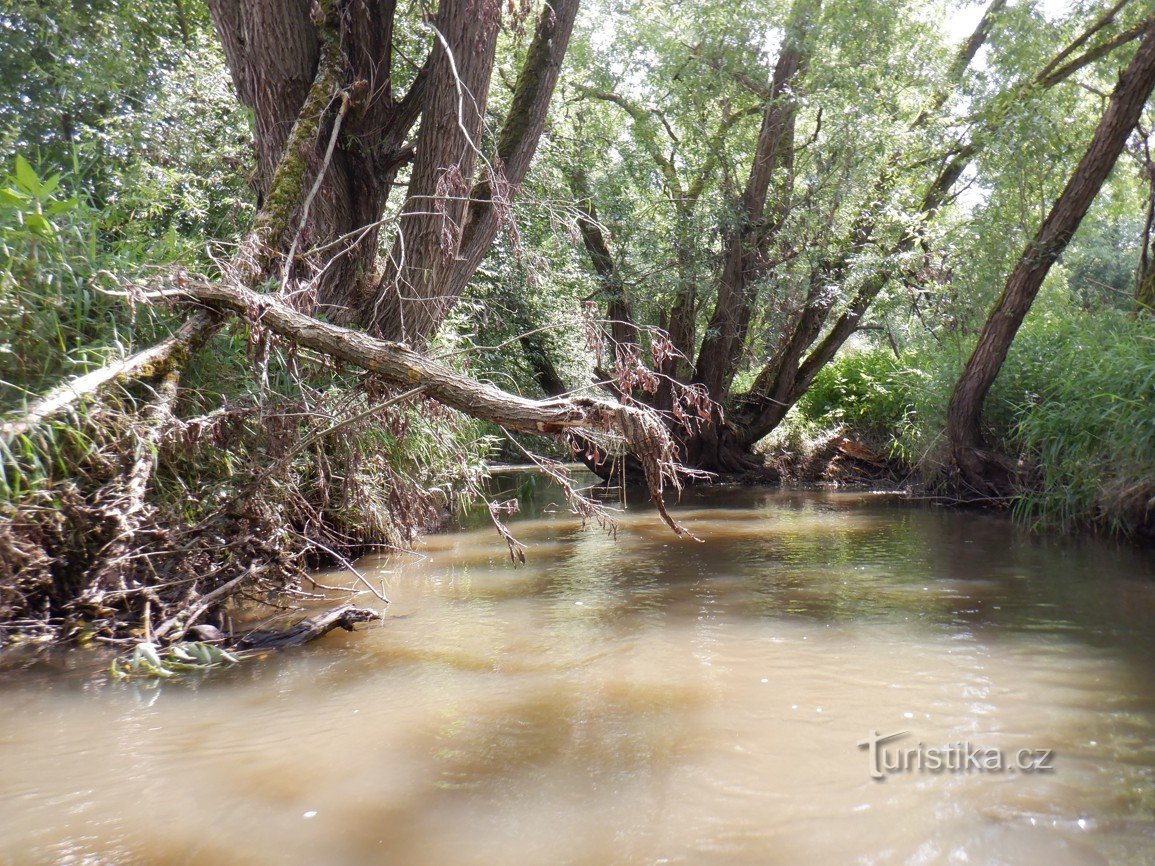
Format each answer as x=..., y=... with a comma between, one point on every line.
x=978, y=467
x=623, y=331
x=725, y=334
x=1145, y=279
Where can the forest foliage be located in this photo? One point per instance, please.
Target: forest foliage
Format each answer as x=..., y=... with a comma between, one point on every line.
x=752, y=219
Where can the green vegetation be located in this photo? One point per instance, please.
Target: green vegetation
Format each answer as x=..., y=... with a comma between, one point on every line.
x=1074, y=403
x=649, y=238
x=151, y=662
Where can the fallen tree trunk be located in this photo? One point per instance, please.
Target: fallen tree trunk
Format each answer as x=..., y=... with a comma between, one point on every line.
x=156, y=360
x=345, y=617
x=643, y=431
x=398, y=365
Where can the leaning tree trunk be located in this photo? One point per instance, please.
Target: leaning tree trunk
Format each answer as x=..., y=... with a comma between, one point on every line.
x=622, y=330
x=986, y=472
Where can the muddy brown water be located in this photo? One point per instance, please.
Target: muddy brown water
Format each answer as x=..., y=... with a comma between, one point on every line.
x=642, y=700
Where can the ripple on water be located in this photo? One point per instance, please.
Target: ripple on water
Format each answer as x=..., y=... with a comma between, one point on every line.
x=637, y=701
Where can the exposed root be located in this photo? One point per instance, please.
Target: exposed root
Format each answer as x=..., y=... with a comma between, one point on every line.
x=835, y=458
x=985, y=475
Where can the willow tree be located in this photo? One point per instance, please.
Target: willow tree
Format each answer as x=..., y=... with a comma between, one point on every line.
x=337, y=115
x=821, y=206
x=345, y=95
x=983, y=470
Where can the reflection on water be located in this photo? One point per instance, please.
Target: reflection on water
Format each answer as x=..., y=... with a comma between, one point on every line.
x=644, y=700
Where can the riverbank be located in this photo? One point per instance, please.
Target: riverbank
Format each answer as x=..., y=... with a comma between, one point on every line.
x=1073, y=410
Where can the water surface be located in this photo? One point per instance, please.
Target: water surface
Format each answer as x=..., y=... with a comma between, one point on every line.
x=638, y=700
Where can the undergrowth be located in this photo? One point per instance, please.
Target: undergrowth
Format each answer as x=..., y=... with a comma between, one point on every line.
x=1074, y=403
x=267, y=475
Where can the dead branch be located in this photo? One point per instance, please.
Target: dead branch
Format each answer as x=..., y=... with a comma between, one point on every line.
x=643, y=430
x=125, y=504
x=156, y=360
x=344, y=617
x=511, y=506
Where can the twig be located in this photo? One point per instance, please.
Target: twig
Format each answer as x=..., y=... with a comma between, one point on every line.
x=316, y=186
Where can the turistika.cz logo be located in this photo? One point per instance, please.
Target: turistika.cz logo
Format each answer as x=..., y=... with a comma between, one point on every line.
x=953, y=758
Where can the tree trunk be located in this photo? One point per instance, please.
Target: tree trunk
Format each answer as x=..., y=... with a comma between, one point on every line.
x=726, y=332
x=410, y=299
x=303, y=69
x=1145, y=278
x=1145, y=290
x=451, y=217
x=985, y=472
x=623, y=331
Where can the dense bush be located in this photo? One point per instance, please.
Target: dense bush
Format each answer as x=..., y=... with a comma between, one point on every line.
x=870, y=392
x=1075, y=402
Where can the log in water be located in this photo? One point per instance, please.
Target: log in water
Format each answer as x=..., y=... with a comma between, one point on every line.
x=644, y=700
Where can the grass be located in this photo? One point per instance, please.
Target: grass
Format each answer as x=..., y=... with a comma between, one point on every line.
x=1075, y=401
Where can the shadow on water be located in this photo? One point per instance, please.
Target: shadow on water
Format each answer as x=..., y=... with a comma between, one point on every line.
x=823, y=555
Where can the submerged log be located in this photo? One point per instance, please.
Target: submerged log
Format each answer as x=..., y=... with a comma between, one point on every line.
x=345, y=617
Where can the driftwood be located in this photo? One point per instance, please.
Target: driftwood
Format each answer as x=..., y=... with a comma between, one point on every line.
x=126, y=504
x=346, y=617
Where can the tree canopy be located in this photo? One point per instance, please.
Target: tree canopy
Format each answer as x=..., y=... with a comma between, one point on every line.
x=660, y=233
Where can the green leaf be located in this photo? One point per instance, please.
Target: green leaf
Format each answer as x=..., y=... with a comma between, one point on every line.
x=26, y=177
x=13, y=197
x=59, y=207
x=37, y=223
x=49, y=186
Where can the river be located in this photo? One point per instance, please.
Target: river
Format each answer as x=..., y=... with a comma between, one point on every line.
x=641, y=700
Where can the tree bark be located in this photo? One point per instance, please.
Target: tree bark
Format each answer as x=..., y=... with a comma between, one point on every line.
x=978, y=467
x=293, y=63
x=451, y=218
x=726, y=332
x=517, y=141
x=411, y=298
